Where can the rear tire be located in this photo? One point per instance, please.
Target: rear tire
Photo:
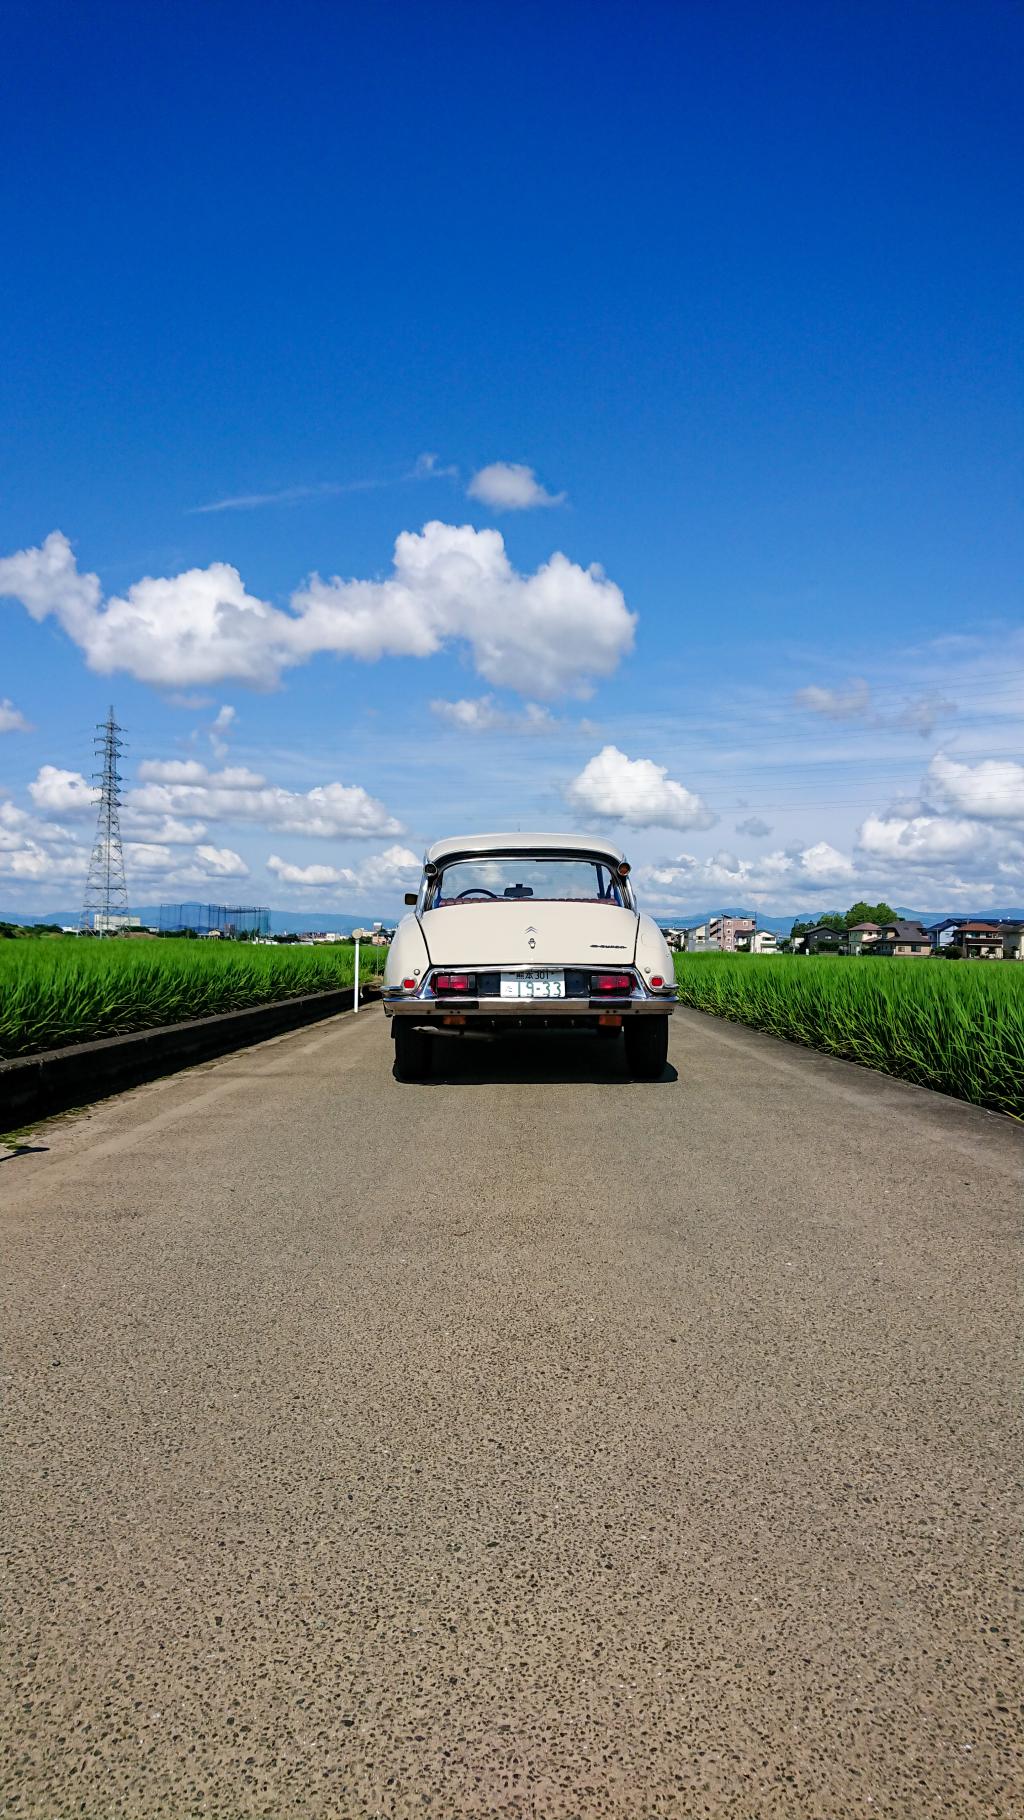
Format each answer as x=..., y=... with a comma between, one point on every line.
x=646, y=1047
x=412, y=1051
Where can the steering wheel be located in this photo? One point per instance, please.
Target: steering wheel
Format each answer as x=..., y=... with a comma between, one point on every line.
x=476, y=891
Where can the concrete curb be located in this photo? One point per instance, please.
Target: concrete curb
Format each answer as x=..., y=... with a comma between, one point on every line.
x=33, y=1086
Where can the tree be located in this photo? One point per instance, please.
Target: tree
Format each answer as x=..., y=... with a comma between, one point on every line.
x=833, y=919
x=869, y=913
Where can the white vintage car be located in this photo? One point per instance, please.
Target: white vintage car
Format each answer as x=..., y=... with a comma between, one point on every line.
x=527, y=931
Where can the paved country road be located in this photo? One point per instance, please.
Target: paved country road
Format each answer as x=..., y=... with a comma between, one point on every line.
x=525, y=1443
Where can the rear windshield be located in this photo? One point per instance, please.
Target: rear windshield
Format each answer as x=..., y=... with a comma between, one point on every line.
x=496, y=880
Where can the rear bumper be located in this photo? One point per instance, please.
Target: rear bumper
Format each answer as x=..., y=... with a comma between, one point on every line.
x=491, y=1013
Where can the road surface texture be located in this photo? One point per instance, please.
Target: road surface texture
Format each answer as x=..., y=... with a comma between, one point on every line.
x=525, y=1443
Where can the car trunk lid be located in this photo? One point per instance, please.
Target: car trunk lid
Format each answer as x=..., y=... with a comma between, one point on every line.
x=525, y=933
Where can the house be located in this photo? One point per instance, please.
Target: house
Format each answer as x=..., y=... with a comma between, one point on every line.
x=942, y=934
x=902, y=938
x=764, y=941
x=729, y=932
x=1013, y=942
x=862, y=937
x=822, y=939
x=979, y=941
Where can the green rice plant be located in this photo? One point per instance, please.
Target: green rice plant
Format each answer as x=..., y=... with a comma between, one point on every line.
x=75, y=989
x=958, y=1029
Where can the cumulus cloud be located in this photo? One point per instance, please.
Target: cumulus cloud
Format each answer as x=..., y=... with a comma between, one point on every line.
x=774, y=876
x=58, y=792
x=921, y=839
x=546, y=633
x=221, y=862
x=990, y=791
x=11, y=719
x=184, y=787
x=635, y=791
x=755, y=827
x=395, y=867
x=482, y=714
x=510, y=486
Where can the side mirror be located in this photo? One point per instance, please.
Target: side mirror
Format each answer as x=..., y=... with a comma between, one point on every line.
x=412, y=897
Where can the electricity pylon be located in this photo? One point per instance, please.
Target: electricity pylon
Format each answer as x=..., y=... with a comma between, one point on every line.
x=106, y=889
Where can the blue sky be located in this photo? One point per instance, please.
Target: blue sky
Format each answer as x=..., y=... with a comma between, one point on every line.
x=722, y=300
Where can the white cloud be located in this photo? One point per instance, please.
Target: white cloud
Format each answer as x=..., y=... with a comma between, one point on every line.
x=482, y=714
x=921, y=839
x=285, y=496
x=221, y=862
x=395, y=867
x=546, y=633
x=184, y=787
x=57, y=792
x=990, y=791
x=11, y=718
x=854, y=702
x=780, y=876
x=427, y=467
x=221, y=726
x=635, y=791
x=835, y=704
x=510, y=486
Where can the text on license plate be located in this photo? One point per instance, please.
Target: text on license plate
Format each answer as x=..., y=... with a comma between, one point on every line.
x=538, y=983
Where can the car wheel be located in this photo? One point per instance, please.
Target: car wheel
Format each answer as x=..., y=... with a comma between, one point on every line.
x=646, y=1048
x=412, y=1052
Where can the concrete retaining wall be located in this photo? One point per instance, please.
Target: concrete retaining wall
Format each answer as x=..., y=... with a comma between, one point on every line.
x=33, y=1086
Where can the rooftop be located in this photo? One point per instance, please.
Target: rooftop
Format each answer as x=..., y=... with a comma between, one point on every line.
x=520, y=842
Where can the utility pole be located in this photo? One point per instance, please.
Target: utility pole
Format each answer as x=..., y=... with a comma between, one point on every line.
x=106, y=889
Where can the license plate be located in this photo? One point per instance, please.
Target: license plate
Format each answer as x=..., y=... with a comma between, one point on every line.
x=538, y=983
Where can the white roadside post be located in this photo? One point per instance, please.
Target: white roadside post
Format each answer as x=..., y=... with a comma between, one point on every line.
x=355, y=993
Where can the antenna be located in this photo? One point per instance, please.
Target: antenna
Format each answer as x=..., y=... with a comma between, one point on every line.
x=106, y=889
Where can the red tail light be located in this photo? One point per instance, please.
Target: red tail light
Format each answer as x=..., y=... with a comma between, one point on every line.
x=656, y=979
x=611, y=982
x=408, y=985
x=454, y=982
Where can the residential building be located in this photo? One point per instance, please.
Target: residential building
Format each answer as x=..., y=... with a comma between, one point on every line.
x=822, y=939
x=979, y=941
x=1013, y=942
x=862, y=937
x=730, y=932
x=942, y=934
x=900, y=938
x=764, y=941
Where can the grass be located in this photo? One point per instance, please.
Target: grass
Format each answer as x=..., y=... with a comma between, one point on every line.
x=72, y=990
x=957, y=1027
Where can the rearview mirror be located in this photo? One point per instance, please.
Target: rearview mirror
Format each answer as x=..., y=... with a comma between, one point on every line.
x=412, y=897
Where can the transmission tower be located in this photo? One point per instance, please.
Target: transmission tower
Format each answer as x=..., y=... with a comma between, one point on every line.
x=106, y=889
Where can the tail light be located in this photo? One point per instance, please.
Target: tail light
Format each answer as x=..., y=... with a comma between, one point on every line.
x=656, y=979
x=408, y=985
x=454, y=982
x=611, y=982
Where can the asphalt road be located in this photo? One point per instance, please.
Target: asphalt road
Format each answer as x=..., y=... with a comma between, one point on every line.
x=528, y=1443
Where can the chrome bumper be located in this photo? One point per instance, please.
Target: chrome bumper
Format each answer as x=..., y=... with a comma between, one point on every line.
x=435, y=1010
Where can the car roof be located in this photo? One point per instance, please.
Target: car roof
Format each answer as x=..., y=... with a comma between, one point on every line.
x=472, y=845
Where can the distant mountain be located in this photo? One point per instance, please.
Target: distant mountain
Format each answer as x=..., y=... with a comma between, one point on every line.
x=282, y=922
x=297, y=922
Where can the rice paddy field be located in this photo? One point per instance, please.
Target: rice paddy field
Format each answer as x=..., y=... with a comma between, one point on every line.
x=957, y=1027
x=73, y=989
